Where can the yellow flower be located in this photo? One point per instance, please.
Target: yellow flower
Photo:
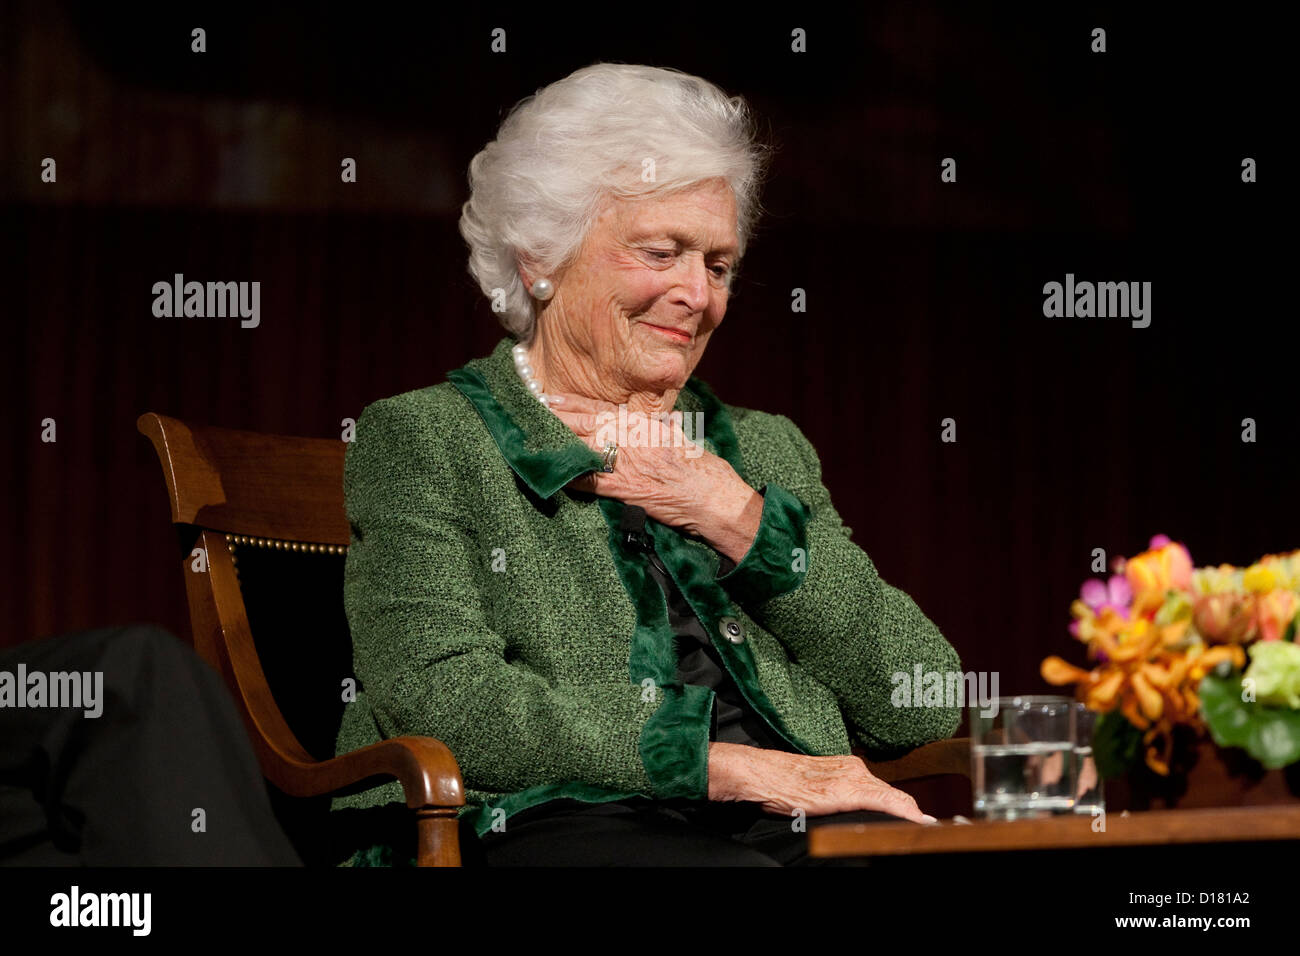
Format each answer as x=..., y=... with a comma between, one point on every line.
x=1260, y=578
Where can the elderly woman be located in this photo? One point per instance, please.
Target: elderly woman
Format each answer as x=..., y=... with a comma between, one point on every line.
x=629, y=609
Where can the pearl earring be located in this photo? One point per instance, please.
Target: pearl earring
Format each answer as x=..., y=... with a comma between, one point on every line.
x=542, y=289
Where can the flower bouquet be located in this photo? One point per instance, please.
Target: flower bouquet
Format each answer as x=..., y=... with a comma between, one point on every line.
x=1179, y=650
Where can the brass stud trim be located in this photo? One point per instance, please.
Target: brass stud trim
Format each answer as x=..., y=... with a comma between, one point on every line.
x=280, y=544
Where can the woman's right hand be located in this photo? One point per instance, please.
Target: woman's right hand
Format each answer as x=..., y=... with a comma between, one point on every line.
x=783, y=783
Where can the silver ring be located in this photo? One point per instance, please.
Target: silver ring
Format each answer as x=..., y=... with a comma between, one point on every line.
x=609, y=457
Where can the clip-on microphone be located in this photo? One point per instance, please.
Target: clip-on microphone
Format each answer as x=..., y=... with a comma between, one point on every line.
x=631, y=527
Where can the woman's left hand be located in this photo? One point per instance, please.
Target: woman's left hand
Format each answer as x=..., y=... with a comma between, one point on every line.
x=677, y=482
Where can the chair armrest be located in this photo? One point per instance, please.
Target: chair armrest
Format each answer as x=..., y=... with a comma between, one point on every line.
x=951, y=756
x=430, y=779
x=424, y=766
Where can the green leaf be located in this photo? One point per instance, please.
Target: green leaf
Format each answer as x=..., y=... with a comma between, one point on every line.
x=1116, y=744
x=1269, y=734
x=1290, y=629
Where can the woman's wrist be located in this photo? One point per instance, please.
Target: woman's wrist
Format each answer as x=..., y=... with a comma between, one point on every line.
x=731, y=770
x=721, y=772
x=730, y=519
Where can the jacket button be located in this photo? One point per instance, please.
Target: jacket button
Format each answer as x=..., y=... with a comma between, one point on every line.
x=730, y=628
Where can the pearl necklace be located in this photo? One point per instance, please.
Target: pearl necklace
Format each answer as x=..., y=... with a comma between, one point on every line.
x=525, y=371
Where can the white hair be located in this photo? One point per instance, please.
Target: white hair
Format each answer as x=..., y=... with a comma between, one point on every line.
x=536, y=189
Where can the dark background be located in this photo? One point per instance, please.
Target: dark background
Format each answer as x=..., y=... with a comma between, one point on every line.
x=924, y=298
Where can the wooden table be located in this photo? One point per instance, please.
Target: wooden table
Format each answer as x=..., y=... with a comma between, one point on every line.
x=1070, y=831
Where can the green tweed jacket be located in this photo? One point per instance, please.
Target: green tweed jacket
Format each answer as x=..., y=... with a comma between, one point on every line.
x=497, y=611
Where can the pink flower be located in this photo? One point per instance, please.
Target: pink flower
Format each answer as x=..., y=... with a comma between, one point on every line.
x=1100, y=596
x=1115, y=593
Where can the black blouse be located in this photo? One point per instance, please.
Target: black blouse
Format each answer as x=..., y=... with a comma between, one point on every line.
x=734, y=721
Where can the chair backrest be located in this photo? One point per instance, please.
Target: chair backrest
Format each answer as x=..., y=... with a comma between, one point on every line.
x=250, y=483
x=264, y=535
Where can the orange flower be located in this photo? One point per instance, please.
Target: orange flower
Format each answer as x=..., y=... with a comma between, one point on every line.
x=1274, y=612
x=1149, y=681
x=1154, y=572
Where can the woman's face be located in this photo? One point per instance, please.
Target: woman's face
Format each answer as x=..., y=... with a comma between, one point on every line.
x=648, y=288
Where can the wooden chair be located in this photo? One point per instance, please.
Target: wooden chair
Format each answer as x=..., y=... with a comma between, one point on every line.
x=263, y=534
x=268, y=497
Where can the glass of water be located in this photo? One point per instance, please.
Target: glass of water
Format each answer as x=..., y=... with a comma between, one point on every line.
x=1089, y=789
x=1022, y=757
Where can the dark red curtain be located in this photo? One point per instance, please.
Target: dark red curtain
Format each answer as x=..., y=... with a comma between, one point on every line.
x=924, y=298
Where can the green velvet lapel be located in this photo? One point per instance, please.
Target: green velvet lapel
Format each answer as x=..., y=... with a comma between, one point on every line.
x=693, y=567
x=541, y=449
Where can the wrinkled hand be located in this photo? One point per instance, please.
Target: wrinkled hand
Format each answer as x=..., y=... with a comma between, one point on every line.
x=784, y=782
x=679, y=483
